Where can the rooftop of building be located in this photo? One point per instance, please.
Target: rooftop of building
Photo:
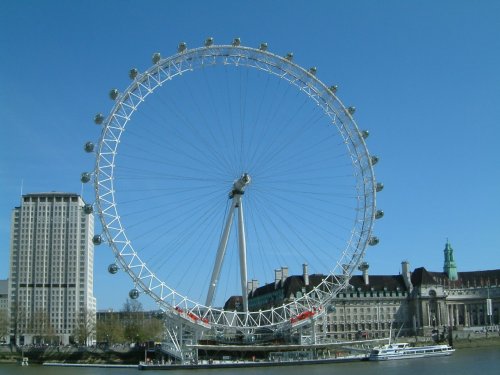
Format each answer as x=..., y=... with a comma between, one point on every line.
x=290, y=285
x=233, y=303
x=51, y=194
x=378, y=282
x=421, y=276
x=295, y=283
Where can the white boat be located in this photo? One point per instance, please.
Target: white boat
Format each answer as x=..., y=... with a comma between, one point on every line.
x=404, y=351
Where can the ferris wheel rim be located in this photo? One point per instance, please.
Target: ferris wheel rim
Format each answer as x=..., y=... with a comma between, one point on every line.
x=127, y=103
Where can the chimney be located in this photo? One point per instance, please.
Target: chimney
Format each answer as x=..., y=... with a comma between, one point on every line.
x=252, y=286
x=277, y=276
x=405, y=268
x=305, y=274
x=284, y=273
x=363, y=267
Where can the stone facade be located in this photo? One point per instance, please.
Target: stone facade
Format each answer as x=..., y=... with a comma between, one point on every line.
x=410, y=303
x=437, y=301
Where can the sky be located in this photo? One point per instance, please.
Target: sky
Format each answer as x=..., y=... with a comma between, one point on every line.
x=423, y=77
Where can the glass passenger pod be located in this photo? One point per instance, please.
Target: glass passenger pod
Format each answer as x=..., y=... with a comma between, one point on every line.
x=134, y=293
x=88, y=147
x=99, y=118
x=113, y=268
x=97, y=239
x=85, y=177
x=88, y=209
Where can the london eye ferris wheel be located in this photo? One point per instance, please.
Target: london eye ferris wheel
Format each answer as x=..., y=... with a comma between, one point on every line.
x=220, y=164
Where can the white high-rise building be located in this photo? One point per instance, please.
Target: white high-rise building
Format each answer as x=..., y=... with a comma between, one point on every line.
x=51, y=270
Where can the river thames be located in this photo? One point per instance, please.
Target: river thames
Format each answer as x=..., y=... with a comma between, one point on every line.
x=480, y=361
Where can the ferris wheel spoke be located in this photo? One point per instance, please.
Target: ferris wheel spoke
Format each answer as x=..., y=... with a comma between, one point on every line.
x=269, y=132
x=307, y=224
x=178, y=142
x=289, y=145
x=281, y=238
x=277, y=139
x=194, y=249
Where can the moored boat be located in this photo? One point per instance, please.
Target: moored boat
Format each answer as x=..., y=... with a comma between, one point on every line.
x=405, y=351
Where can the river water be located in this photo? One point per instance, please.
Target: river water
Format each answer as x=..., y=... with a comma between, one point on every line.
x=477, y=361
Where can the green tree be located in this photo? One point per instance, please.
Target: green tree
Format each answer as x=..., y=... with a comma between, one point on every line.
x=111, y=330
x=139, y=326
x=133, y=315
x=153, y=328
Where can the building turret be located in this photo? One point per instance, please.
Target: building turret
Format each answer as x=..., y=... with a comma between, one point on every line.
x=450, y=268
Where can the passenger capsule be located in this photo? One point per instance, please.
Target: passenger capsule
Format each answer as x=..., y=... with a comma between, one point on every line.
x=113, y=94
x=209, y=42
x=379, y=187
x=85, y=177
x=97, y=239
x=379, y=214
x=133, y=73
x=88, y=209
x=313, y=70
x=373, y=241
x=134, y=294
x=236, y=42
x=113, y=268
x=351, y=110
x=373, y=159
x=88, y=147
x=156, y=58
x=289, y=56
x=99, y=118
x=182, y=47
x=365, y=133
x=263, y=47
x=334, y=88
x=364, y=266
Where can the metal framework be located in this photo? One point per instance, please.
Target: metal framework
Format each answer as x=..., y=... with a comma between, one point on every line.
x=180, y=306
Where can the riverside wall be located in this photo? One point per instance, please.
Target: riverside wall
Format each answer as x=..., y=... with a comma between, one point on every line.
x=11, y=354
x=125, y=355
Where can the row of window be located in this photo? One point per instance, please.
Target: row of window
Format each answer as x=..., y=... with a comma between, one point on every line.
x=40, y=198
x=363, y=318
x=367, y=309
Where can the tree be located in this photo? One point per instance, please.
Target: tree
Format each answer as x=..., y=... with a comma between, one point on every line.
x=111, y=330
x=140, y=326
x=133, y=315
x=41, y=327
x=132, y=306
x=154, y=329
x=85, y=327
x=4, y=325
x=19, y=323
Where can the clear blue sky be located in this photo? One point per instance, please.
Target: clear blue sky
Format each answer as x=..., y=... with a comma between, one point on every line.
x=424, y=77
